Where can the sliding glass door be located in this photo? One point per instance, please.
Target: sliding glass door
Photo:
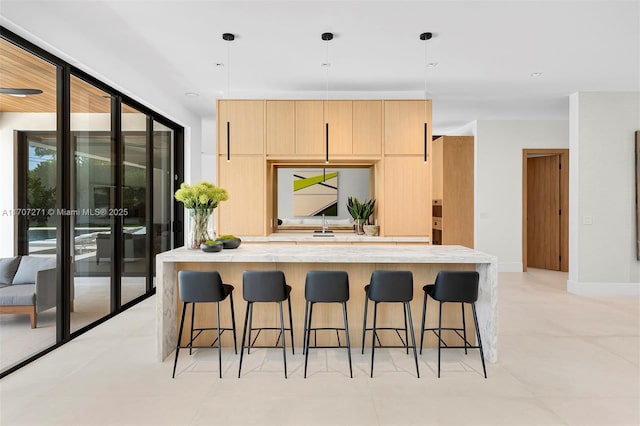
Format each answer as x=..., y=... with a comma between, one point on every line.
x=93, y=174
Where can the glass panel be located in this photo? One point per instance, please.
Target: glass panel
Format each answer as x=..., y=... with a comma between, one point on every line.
x=134, y=192
x=162, y=188
x=92, y=182
x=28, y=164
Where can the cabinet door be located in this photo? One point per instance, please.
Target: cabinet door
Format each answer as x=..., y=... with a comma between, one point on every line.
x=407, y=196
x=367, y=127
x=246, y=126
x=340, y=118
x=310, y=127
x=280, y=127
x=244, y=212
x=404, y=126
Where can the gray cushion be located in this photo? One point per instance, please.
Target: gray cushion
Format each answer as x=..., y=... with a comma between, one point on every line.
x=18, y=295
x=8, y=268
x=29, y=266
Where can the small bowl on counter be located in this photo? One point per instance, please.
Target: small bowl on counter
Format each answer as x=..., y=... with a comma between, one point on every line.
x=229, y=242
x=211, y=247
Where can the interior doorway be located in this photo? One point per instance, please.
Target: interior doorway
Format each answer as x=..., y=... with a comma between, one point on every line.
x=545, y=209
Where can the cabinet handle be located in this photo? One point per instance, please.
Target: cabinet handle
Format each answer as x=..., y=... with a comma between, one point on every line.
x=228, y=141
x=326, y=143
x=425, y=142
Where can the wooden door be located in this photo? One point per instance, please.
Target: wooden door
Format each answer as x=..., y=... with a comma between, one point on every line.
x=543, y=212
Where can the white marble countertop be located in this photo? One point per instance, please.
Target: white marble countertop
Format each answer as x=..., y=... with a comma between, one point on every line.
x=341, y=237
x=332, y=253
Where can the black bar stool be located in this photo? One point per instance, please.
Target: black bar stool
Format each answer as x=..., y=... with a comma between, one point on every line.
x=265, y=286
x=325, y=287
x=391, y=287
x=203, y=287
x=456, y=287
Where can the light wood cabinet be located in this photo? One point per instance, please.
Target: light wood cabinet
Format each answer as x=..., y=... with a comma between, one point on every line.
x=309, y=116
x=404, y=126
x=367, y=128
x=244, y=213
x=340, y=118
x=407, y=196
x=240, y=127
x=453, y=197
x=280, y=122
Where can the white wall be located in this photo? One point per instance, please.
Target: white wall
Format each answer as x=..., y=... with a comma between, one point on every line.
x=498, y=182
x=209, y=150
x=602, y=180
x=9, y=122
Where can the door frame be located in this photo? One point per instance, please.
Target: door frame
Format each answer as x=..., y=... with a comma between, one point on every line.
x=564, y=203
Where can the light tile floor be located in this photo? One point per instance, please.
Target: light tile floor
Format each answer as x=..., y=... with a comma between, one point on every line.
x=563, y=359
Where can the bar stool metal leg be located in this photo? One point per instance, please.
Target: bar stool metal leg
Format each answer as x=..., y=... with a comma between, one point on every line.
x=346, y=330
x=284, y=349
x=413, y=338
x=175, y=362
x=475, y=320
x=233, y=324
x=464, y=328
x=293, y=351
x=250, y=310
x=373, y=336
x=244, y=335
x=406, y=331
x=306, y=330
x=439, y=336
x=306, y=342
x=424, y=316
x=193, y=313
x=219, y=340
x=364, y=322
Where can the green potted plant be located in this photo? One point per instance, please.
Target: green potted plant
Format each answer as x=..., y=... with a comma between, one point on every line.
x=229, y=241
x=360, y=212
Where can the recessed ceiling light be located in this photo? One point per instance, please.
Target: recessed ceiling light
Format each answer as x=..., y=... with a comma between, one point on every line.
x=325, y=64
x=219, y=64
x=535, y=74
x=432, y=64
x=192, y=94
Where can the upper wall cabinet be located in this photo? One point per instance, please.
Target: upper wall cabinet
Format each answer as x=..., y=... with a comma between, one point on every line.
x=404, y=130
x=367, y=128
x=309, y=127
x=281, y=121
x=339, y=116
x=240, y=127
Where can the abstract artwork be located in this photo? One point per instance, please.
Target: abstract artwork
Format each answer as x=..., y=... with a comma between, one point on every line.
x=315, y=192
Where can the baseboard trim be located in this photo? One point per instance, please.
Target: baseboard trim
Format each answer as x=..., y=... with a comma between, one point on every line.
x=603, y=289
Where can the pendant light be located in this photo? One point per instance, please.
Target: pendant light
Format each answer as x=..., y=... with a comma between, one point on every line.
x=327, y=37
x=425, y=37
x=228, y=37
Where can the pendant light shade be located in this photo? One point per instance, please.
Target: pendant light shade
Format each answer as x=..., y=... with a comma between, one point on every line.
x=425, y=37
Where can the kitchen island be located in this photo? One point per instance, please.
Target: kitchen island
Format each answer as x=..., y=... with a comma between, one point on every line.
x=359, y=260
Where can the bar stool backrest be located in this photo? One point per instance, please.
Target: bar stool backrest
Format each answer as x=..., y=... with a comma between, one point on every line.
x=264, y=286
x=200, y=286
x=456, y=286
x=326, y=286
x=391, y=286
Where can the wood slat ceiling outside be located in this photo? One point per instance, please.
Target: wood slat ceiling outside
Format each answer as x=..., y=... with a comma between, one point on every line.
x=21, y=69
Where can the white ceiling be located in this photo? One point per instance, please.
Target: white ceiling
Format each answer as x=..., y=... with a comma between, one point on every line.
x=486, y=50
